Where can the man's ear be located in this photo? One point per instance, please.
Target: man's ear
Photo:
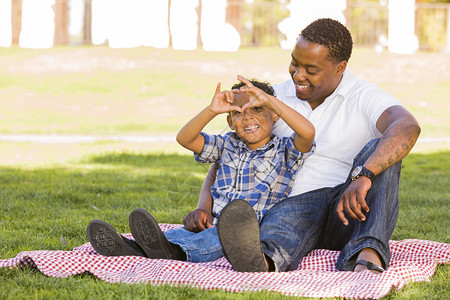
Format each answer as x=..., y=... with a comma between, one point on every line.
x=341, y=68
x=230, y=122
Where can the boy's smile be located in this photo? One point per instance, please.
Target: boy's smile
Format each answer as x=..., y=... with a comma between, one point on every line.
x=254, y=125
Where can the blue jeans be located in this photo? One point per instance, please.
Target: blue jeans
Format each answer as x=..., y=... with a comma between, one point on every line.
x=299, y=224
x=203, y=246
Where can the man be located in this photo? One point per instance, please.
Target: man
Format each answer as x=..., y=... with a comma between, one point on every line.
x=345, y=198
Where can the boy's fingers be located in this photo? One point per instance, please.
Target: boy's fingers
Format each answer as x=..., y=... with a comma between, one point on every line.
x=245, y=81
x=236, y=108
x=218, y=88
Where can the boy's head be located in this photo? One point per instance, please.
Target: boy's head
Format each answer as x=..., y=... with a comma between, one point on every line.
x=254, y=125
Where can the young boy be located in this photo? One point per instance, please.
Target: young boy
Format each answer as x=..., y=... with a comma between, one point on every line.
x=254, y=166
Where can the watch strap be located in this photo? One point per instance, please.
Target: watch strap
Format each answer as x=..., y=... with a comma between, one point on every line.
x=364, y=172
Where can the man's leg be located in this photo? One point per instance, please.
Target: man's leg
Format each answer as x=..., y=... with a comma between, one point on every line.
x=368, y=240
x=292, y=227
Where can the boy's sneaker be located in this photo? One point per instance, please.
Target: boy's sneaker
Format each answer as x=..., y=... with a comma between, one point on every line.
x=107, y=241
x=238, y=230
x=150, y=238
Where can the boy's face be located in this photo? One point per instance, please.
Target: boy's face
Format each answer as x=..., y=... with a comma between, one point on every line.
x=254, y=125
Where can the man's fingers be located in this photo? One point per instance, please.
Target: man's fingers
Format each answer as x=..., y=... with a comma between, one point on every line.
x=340, y=212
x=349, y=206
x=364, y=205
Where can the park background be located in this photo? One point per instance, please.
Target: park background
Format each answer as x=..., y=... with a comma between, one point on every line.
x=87, y=131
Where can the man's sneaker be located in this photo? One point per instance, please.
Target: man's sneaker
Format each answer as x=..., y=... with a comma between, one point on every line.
x=238, y=230
x=107, y=241
x=150, y=238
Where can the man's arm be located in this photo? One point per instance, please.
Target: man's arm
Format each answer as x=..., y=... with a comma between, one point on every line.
x=400, y=131
x=201, y=218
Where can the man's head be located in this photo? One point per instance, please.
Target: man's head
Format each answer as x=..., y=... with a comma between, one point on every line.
x=254, y=125
x=319, y=58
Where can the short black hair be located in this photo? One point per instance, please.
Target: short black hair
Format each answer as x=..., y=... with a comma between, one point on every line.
x=331, y=34
x=262, y=85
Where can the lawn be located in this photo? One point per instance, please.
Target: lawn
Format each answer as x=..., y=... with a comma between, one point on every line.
x=50, y=192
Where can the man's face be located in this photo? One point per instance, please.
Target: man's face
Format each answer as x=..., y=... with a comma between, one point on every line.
x=315, y=75
x=254, y=125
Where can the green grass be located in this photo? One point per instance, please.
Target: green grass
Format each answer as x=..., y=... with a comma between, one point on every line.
x=40, y=205
x=52, y=191
x=97, y=90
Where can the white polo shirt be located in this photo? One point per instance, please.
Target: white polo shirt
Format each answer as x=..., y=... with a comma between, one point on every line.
x=345, y=122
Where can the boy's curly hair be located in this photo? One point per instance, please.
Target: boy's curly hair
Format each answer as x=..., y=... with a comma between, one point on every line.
x=331, y=34
x=262, y=85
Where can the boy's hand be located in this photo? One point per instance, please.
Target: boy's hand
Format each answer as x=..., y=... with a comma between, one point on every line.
x=221, y=102
x=198, y=220
x=257, y=97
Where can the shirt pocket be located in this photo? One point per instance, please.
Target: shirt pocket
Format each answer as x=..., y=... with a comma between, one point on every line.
x=226, y=175
x=266, y=175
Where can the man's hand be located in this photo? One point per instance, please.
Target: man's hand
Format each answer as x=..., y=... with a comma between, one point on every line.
x=198, y=220
x=353, y=200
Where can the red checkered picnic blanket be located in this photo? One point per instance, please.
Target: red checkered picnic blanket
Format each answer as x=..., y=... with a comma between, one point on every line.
x=316, y=276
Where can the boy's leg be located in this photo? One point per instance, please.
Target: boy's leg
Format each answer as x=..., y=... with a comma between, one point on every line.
x=203, y=246
x=288, y=231
x=238, y=231
x=107, y=241
x=375, y=232
x=150, y=238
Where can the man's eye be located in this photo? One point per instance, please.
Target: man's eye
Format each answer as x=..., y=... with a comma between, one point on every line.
x=257, y=108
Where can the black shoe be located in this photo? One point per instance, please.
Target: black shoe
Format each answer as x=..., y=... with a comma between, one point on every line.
x=107, y=241
x=238, y=230
x=150, y=238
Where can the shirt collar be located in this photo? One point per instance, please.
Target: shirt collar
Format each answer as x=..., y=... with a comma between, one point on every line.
x=237, y=142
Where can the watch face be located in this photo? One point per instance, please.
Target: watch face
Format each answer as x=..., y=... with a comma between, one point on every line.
x=356, y=171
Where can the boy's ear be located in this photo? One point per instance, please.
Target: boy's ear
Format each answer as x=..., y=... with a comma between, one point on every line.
x=230, y=122
x=275, y=117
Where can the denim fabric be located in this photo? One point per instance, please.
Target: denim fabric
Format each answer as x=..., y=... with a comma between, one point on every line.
x=299, y=224
x=199, y=247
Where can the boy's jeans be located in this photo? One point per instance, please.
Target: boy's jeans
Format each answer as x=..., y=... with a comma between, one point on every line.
x=299, y=224
x=199, y=247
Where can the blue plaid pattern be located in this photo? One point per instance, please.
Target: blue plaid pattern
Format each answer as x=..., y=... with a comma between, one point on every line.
x=261, y=177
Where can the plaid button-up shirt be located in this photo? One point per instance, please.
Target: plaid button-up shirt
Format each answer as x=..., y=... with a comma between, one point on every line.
x=261, y=177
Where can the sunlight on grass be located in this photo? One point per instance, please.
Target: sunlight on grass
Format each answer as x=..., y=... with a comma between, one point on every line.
x=50, y=191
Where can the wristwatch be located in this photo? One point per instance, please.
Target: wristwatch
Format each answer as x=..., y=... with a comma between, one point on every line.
x=362, y=171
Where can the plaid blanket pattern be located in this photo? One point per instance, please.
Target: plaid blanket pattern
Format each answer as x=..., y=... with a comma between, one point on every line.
x=316, y=276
